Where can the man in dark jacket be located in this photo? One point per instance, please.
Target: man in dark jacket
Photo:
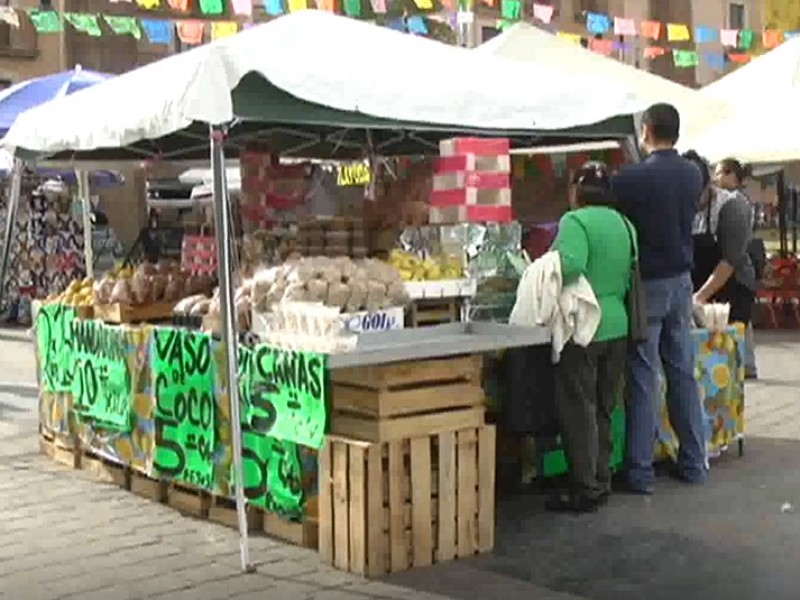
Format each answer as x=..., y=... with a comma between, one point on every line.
x=660, y=196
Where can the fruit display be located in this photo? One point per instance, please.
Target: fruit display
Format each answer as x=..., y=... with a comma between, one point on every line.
x=78, y=293
x=413, y=268
x=150, y=283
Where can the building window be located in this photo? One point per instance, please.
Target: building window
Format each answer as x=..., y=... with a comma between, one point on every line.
x=736, y=16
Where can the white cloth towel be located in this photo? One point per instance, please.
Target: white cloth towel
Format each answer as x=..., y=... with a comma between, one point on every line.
x=571, y=312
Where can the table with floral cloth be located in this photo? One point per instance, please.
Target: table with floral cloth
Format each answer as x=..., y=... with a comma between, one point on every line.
x=719, y=370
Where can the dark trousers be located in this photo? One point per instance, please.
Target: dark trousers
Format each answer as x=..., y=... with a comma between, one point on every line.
x=588, y=385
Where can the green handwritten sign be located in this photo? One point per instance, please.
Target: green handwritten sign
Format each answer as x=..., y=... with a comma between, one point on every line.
x=54, y=339
x=101, y=384
x=272, y=474
x=287, y=395
x=185, y=416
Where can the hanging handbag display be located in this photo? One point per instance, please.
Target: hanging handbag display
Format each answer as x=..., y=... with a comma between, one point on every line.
x=635, y=300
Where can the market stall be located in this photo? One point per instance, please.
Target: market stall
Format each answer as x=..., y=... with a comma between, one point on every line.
x=251, y=436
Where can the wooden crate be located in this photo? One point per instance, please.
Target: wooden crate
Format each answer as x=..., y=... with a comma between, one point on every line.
x=300, y=533
x=408, y=399
x=389, y=507
x=127, y=313
x=188, y=500
x=222, y=510
x=147, y=487
x=62, y=451
x=428, y=312
x=104, y=470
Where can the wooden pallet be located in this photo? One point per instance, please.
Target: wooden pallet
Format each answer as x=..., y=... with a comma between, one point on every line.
x=389, y=507
x=147, y=487
x=127, y=313
x=61, y=451
x=188, y=500
x=303, y=533
x=222, y=511
x=408, y=399
x=426, y=312
x=105, y=470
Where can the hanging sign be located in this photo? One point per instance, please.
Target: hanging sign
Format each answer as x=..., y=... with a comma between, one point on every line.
x=353, y=174
x=185, y=418
x=101, y=382
x=54, y=338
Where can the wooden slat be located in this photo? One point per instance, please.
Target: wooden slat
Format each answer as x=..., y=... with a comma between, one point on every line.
x=409, y=373
x=341, y=524
x=421, y=501
x=407, y=427
x=376, y=552
x=487, y=443
x=394, y=403
x=467, y=494
x=398, y=548
x=358, y=510
x=325, y=483
x=447, y=496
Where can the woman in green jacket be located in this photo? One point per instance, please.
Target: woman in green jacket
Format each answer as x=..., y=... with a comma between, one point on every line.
x=596, y=241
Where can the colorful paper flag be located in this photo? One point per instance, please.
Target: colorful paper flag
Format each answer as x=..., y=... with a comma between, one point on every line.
x=597, y=23
x=85, y=23
x=654, y=51
x=242, y=7
x=190, y=32
x=148, y=4
x=604, y=47
x=772, y=38
x=296, y=5
x=424, y=4
x=572, y=38
x=224, y=29
x=378, y=6
x=739, y=58
x=46, y=21
x=678, y=32
x=685, y=58
x=9, y=16
x=746, y=39
x=501, y=25
x=715, y=60
x=352, y=8
x=181, y=5
x=124, y=25
x=729, y=37
x=651, y=29
x=624, y=26
x=416, y=25
x=158, y=31
x=212, y=7
x=705, y=35
x=543, y=12
x=511, y=10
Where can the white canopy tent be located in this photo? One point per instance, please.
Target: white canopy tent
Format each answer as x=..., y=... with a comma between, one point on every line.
x=764, y=128
x=310, y=72
x=529, y=44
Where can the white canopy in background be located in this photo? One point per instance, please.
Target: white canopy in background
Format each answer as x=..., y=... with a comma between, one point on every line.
x=524, y=42
x=331, y=61
x=765, y=126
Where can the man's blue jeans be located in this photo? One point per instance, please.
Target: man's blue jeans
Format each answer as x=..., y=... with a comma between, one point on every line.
x=669, y=305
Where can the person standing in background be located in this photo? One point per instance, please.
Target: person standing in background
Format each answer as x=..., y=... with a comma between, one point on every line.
x=731, y=176
x=660, y=196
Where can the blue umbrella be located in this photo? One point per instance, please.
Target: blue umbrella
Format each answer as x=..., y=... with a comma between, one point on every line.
x=33, y=92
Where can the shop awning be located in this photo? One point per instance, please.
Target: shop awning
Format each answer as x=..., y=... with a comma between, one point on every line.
x=764, y=127
x=533, y=46
x=311, y=78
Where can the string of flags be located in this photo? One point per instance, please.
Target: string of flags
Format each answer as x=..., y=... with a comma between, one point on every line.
x=736, y=43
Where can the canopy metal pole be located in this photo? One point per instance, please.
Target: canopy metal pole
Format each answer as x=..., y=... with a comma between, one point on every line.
x=11, y=219
x=82, y=177
x=228, y=326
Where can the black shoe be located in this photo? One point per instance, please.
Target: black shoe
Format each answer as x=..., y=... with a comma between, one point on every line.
x=572, y=503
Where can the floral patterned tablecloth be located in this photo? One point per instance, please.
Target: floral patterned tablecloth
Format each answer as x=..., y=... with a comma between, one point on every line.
x=719, y=370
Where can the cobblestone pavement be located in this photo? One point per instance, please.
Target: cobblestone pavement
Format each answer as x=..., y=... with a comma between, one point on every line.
x=65, y=536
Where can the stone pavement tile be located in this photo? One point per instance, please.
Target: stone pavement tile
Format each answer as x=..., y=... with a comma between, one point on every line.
x=234, y=586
